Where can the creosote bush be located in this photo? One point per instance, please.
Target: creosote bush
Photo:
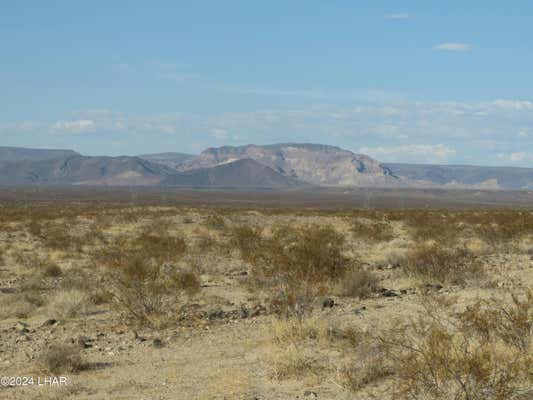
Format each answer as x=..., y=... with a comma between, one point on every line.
x=373, y=231
x=144, y=283
x=445, y=265
x=473, y=355
x=359, y=283
x=62, y=358
x=294, y=263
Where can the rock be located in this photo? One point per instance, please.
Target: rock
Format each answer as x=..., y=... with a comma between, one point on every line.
x=84, y=342
x=50, y=322
x=245, y=312
x=328, y=302
x=157, y=343
x=359, y=310
x=22, y=327
x=388, y=292
x=138, y=337
x=216, y=314
x=257, y=311
x=310, y=394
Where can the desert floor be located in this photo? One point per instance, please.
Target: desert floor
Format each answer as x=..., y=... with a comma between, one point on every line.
x=384, y=288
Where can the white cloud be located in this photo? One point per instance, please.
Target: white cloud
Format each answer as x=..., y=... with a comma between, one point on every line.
x=76, y=126
x=459, y=47
x=418, y=152
x=220, y=134
x=481, y=132
x=403, y=15
x=517, y=105
x=516, y=157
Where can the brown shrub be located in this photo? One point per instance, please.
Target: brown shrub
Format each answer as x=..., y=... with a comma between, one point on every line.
x=295, y=264
x=359, y=283
x=215, y=221
x=373, y=231
x=62, y=358
x=469, y=356
x=445, y=265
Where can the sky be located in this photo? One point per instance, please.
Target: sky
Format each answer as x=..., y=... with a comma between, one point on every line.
x=425, y=81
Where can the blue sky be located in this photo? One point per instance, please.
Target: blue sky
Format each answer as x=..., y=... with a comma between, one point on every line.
x=413, y=81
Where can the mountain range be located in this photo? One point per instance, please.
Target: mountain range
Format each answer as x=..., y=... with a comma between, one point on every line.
x=284, y=165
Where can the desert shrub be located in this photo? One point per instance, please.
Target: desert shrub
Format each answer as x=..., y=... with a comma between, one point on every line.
x=20, y=305
x=186, y=281
x=359, y=283
x=62, y=358
x=248, y=241
x=57, y=236
x=291, y=361
x=52, y=270
x=35, y=228
x=466, y=356
x=445, y=265
x=147, y=294
x=161, y=248
x=512, y=324
x=367, y=370
x=215, y=221
x=294, y=263
x=143, y=286
x=68, y=304
x=372, y=231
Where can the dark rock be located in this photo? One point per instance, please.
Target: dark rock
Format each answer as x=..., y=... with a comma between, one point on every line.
x=84, y=342
x=310, y=394
x=22, y=327
x=257, y=311
x=216, y=314
x=387, y=292
x=328, y=302
x=157, y=343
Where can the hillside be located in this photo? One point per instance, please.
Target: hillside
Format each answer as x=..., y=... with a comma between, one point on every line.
x=240, y=173
x=21, y=154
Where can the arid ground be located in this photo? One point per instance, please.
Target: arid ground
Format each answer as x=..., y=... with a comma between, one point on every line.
x=201, y=302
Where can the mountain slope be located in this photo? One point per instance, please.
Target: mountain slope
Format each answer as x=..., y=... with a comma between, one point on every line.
x=463, y=176
x=21, y=153
x=172, y=160
x=80, y=170
x=312, y=163
x=240, y=173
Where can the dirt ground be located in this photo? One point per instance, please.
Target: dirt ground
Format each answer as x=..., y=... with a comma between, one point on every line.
x=227, y=344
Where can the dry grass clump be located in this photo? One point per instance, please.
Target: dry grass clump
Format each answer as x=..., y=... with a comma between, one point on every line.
x=359, y=283
x=445, y=265
x=68, y=304
x=295, y=263
x=215, y=221
x=372, y=231
x=469, y=356
x=62, y=358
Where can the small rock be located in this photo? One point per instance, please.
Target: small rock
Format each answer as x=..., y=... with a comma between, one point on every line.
x=388, y=292
x=310, y=394
x=157, y=343
x=216, y=314
x=22, y=327
x=328, y=302
x=257, y=311
x=84, y=342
